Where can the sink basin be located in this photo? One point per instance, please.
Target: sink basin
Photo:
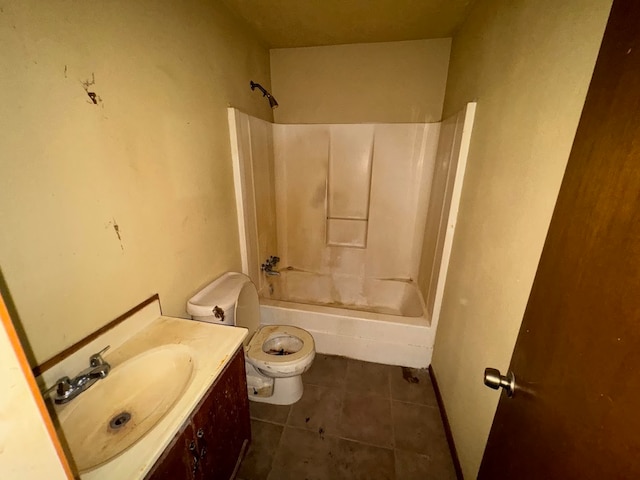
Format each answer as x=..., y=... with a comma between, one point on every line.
x=119, y=410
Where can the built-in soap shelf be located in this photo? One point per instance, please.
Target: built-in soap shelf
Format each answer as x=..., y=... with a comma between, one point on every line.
x=351, y=149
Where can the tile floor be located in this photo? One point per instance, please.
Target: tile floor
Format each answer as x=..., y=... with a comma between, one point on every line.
x=356, y=420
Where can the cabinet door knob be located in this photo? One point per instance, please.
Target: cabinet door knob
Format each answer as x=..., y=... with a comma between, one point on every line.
x=200, y=433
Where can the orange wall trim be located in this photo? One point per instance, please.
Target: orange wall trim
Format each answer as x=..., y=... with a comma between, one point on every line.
x=26, y=371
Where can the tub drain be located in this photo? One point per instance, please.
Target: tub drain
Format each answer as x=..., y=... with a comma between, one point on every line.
x=119, y=420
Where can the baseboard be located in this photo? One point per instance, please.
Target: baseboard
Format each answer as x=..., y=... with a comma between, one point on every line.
x=447, y=427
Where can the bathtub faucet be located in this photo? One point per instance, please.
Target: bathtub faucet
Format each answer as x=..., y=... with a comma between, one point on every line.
x=269, y=265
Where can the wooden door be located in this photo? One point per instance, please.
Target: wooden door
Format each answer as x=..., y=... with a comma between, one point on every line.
x=576, y=409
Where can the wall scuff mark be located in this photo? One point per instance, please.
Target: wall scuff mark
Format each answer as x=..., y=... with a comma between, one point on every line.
x=95, y=98
x=116, y=228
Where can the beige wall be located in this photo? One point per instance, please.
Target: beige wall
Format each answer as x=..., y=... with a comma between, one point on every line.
x=528, y=64
x=152, y=157
x=368, y=82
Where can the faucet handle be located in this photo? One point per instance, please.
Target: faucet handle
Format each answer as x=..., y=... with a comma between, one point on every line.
x=96, y=359
x=62, y=388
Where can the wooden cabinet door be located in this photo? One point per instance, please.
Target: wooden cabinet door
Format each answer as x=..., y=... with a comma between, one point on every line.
x=211, y=444
x=222, y=423
x=177, y=461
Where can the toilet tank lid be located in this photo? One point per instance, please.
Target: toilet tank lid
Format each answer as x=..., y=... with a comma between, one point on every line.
x=222, y=292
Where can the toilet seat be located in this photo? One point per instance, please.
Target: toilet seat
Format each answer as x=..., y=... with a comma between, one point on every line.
x=257, y=356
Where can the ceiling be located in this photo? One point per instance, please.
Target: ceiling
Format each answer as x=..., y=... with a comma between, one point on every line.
x=304, y=23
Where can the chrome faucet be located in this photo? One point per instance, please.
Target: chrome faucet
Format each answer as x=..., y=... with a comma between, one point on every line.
x=67, y=389
x=268, y=266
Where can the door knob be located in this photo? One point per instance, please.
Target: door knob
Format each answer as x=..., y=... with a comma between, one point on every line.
x=493, y=379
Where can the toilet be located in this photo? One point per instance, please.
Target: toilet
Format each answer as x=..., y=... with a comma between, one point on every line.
x=276, y=356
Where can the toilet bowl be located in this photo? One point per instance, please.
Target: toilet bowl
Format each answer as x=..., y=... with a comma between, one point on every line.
x=276, y=356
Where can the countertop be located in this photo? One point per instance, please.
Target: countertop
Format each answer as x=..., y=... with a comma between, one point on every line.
x=211, y=347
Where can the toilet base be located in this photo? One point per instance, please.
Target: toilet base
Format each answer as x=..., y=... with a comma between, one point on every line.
x=286, y=391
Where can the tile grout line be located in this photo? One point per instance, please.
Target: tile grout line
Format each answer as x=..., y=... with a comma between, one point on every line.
x=375, y=394
x=286, y=420
x=270, y=422
x=343, y=394
x=276, y=451
x=393, y=428
x=435, y=407
x=359, y=442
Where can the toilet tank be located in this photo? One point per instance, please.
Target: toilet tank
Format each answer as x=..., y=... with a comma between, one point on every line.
x=230, y=299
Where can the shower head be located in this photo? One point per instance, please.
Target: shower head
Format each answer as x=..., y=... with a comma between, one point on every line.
x=272, y=101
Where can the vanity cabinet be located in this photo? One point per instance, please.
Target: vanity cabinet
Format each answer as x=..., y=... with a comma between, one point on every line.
x=211, y=444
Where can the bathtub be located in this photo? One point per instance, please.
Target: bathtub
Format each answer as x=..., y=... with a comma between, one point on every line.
x=375, y=320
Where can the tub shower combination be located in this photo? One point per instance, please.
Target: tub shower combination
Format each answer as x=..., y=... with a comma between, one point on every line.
x=356, y=224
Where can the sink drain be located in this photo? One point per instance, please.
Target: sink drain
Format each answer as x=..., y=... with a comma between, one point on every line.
x=119, y=420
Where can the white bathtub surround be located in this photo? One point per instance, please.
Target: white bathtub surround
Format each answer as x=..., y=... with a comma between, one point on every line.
x=254, y=180
x=348, y=185
x=209, y=348
x=444, y=202
x=367, y=213
x=377, y=186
